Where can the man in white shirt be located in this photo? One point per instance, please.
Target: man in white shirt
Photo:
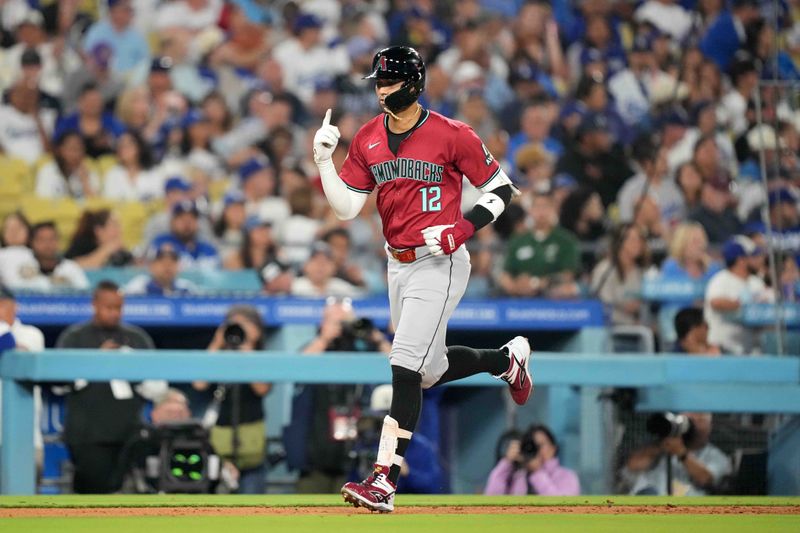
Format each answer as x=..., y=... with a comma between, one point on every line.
x=40, y=267
x=732, y=109
x=306, y=60
x=730, y=289
x=318, y=279
x=24, y=125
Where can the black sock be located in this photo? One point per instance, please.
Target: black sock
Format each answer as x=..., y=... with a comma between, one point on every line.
x=465, y=361
x=406, y=406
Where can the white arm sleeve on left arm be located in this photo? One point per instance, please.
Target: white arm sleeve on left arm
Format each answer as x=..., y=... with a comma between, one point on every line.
x=346, y=203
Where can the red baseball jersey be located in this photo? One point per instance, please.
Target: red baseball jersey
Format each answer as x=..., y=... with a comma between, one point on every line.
x=421, y=185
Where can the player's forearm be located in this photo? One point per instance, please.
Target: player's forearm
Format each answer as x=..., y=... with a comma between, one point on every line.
x=490, y=206
x=346, y=204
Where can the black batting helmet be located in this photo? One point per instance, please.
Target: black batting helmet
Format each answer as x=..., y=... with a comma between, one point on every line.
x=401, y=63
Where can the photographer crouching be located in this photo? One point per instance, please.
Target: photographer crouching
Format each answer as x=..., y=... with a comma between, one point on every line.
x=530, y=466
x=695, y=468
x=325, y=418
x=237, y=413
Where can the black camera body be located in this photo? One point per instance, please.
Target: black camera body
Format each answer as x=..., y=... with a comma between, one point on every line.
x=234, y=335
x=360, y=328
x=528, y=447
x=665, y=425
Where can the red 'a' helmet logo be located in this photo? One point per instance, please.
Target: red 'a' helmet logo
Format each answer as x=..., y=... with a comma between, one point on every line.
x=383, y=63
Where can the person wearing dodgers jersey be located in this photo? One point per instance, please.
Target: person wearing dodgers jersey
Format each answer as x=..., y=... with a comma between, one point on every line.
x=415, y=159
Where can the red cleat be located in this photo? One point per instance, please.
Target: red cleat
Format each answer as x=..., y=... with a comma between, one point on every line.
x=518, y=376
x=376, y=493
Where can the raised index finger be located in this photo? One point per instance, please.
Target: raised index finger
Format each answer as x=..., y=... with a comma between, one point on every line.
x=327, y=120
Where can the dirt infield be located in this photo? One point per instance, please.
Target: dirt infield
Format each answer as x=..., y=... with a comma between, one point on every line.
x=669, y=509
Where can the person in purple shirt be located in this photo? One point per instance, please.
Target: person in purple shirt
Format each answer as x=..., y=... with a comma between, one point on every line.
x=531, y=466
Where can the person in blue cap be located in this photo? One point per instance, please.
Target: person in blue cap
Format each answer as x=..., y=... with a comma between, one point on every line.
x=258, y=183
x=176, y=189
x=163, y=265
x=728, y=291
x=183, y=237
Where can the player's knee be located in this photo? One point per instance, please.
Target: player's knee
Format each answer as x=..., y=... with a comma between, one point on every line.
x=402, y=375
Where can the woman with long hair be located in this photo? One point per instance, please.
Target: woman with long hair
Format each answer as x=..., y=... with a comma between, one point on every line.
x=15, y=230
x=229, y=226
x=68, y=175
x=259, y=247
x=97, y=242
x=617, y=279
x=133, y=179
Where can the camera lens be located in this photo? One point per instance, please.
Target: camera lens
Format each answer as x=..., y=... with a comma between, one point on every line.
x=233, y=335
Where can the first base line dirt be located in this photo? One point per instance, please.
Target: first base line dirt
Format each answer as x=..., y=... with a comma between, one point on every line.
x=28, y=512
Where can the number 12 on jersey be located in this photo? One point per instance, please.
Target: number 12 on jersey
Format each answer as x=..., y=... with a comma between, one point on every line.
x=431, y=199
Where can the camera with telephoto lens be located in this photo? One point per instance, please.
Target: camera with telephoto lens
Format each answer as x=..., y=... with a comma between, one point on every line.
x=528, y=447
x=360, y=328
x=234, y=335
x=665, y=425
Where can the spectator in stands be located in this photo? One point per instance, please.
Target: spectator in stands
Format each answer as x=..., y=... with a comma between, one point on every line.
x=536, y=119
x=544, y=260
x=790, y=278
x=101, y=417
x=15, y=230
x=318, y=276
x=732, y=110
x=535, y=168
x=306, y=58
x=163, y=265
x=196, y=148
x=95, y=68
x=716, y=212
x=98, y=128
x=698, y=467
x=531, y=466
x=176, y=190
x=728, y=32
x=325, y=450
x=617, y=279
x=299, y=231
x=653, y=180
x=582, y=213
x=69, y=174
x=133, y=178
x=690, y=182
x=128, y=46
x=41, y=267
x=688, y=255
x=730, y=289
x=339, y=241
x=229, y=226
x=26, y=126
x=242, y=404
x=594, y=160
x=692, y=331
x=97, y=241
x=184, y=236
x=258, y=247
x=258, y=185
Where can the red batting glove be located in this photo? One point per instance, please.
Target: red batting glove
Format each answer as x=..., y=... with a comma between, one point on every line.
x=444, y=240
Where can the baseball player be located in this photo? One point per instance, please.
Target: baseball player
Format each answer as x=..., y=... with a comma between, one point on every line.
x=415, y=158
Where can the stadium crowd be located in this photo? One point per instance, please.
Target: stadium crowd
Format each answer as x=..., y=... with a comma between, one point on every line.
x=176, y=135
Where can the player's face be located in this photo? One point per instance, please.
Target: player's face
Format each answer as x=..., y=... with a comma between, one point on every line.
x=384, y=88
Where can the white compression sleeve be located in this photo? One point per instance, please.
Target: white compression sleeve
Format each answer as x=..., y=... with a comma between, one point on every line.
x=346, y=203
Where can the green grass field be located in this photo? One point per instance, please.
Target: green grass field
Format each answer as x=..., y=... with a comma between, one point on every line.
x=429, y=520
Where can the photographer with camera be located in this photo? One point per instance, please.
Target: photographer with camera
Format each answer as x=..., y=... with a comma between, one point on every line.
x=325, y=417
x=530, y=466
x=237, y=410
x=696, y=467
